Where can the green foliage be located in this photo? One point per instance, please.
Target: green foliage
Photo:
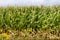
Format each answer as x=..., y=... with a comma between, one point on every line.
x=30, y=17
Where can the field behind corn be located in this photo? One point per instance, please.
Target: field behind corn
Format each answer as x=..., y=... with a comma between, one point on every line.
x=30, y=23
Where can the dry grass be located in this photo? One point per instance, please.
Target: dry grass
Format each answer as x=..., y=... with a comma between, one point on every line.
x=33, y=35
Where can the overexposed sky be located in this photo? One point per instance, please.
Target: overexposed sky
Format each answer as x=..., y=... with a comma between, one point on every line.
x=29, y=2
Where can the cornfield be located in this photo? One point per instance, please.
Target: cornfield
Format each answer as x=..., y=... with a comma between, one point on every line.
x=30, y=17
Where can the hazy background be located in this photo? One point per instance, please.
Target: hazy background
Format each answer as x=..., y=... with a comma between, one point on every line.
x=28, y=2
